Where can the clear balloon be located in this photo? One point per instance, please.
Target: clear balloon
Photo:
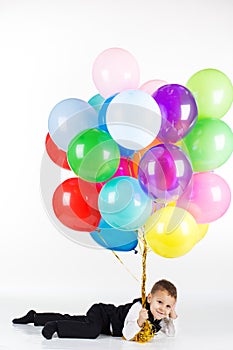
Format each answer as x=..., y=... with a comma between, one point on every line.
x=213, y=92
x=164, y=172
x=171, y=232
x=209, y=144
x=115, y=70
x=178, y=110
x=152, y=85
x=57, y=155
x=207, y=198
x=133, y=119
x=113, y=239
x=96, y=102
x=50, y=179
x=68, y=118
x=71, y=206
x=93, y=155
x=123, y=204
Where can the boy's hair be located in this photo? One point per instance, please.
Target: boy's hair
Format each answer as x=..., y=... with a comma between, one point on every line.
x=165, y=285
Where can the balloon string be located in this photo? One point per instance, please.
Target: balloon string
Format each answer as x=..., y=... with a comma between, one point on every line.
x=118, y=258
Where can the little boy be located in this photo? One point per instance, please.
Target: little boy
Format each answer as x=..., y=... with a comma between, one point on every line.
x=126, y=320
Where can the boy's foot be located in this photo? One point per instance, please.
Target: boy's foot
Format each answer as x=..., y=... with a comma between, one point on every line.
x=49, y=329
x=28, y=318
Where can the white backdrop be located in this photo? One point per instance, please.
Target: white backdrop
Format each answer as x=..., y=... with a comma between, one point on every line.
x=47, y=49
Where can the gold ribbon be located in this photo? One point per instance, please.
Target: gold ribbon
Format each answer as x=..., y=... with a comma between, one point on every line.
x=147, y=332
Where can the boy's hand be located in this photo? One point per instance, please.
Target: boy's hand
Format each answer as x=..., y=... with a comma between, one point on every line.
x=143, y=316
x=173, y=313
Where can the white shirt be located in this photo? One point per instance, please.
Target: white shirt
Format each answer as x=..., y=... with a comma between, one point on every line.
x=131, y=327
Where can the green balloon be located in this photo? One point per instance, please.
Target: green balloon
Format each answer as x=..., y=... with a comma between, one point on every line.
x=209, y=144
x=213, y=93
x=96, y=102
x=93, y=155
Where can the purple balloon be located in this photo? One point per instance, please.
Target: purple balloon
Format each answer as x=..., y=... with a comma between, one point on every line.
x=164, y=172
x=178, y=109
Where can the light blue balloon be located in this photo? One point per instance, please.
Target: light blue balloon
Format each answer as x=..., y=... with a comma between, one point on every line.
x=96, y=102
x=123, y=204
x=113, y=239
x=68, y=118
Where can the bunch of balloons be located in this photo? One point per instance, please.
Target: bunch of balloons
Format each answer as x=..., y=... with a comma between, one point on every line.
x=142, y=157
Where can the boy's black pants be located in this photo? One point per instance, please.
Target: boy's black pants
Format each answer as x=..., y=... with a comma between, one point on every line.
x=90, y=326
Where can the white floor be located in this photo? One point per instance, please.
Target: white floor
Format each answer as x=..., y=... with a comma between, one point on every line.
x=203, y=327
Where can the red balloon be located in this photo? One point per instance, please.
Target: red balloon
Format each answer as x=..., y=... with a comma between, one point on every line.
x=73, y=202
x=57, y=155
x=90, y=192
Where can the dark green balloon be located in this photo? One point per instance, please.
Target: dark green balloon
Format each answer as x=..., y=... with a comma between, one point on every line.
x=209, y=144
x=93, y=155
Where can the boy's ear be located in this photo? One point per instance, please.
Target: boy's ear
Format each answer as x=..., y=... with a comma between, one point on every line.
x=149, y=298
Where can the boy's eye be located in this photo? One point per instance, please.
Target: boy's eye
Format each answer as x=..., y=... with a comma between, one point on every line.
x=168, y=306
x=159, y=301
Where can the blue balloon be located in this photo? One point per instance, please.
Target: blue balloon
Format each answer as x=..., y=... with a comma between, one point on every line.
x=123, y=204
x=96, y=102
x=125, y=152
x=68, y=118
x=113, y=239
x=102, y=113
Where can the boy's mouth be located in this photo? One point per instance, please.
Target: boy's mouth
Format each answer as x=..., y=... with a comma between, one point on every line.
x=160, y=313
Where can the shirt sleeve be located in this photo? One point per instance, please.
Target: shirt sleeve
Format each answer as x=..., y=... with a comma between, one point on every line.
x=131, y=327
x=167, y=327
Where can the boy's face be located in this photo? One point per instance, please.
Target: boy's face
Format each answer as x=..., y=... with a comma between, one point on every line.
x=161, y=304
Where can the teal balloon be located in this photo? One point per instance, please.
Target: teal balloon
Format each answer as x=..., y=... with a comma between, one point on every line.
x=123, y=204
x=96, y=102
x=113, y=239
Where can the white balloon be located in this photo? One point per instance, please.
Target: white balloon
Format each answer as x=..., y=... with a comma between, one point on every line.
x=133, y=119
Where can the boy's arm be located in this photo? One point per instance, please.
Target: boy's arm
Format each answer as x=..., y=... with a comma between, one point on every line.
x=167, y=327
x=167, y=324
x=131, y=326
x=173, y=313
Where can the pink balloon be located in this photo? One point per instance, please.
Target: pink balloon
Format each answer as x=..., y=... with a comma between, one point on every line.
x=125, y=168
x=207, y=198
x=152, y=85
x=115, y=70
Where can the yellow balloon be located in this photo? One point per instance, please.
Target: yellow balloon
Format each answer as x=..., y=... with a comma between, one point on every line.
x=171, y=204
x=178, y=143
x=171, y=232
x=202, y=231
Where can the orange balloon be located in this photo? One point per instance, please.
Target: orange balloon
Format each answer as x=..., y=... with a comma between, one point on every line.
x=138, y=155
